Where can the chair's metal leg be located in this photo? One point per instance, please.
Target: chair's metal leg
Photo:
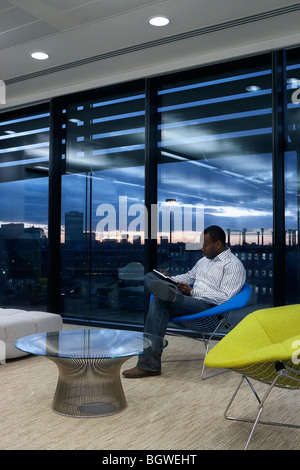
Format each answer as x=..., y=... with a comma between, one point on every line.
x=206, y=345
x=260, y=408
x=253, y=428
x=211, y=375
x=232, y=398
x=200, y=358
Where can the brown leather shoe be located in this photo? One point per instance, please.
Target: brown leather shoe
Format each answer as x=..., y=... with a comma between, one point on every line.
x=136, y=373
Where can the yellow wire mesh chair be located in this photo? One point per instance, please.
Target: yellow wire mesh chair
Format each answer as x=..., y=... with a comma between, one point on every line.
x=264, y=346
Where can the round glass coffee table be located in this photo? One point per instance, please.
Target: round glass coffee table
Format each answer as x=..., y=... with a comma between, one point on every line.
x=89, y=362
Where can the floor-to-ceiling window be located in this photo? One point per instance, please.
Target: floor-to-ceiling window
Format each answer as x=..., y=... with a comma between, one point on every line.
x=215, y=167
x=292, y=176
x=24, y=163
x=102, y=213
x=211, y=131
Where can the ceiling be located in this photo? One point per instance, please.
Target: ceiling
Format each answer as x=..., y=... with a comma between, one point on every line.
x=97, y=42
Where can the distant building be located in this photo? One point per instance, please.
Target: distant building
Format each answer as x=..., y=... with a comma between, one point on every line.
x=73, y=226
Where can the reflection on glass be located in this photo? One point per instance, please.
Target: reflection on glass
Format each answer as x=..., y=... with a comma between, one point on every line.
x=292, y=177
x=102, y=235
x=216, y=155
x=24, y=162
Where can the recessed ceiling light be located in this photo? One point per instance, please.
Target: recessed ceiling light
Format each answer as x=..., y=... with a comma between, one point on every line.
x=293, y=80
x=253, y=88
x=159, y=21
x=40, y=55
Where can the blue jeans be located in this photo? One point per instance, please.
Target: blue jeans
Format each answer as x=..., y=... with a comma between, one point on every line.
x=158, y=317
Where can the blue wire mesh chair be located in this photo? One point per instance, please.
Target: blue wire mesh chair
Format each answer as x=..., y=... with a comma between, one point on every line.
x=206, y=324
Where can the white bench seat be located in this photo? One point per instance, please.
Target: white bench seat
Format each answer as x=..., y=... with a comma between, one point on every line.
x=15, y=324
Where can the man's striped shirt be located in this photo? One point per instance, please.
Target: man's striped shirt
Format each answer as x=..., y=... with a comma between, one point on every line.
x=215, y=280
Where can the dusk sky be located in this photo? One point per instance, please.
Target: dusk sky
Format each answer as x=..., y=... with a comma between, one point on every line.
x=231, y=200
x=222, y=171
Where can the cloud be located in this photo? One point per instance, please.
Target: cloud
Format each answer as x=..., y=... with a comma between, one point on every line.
x=235, y=212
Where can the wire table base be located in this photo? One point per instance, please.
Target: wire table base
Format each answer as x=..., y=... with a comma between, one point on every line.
x=89, y=387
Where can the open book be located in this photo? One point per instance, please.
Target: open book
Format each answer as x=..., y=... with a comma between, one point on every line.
x=164, y=277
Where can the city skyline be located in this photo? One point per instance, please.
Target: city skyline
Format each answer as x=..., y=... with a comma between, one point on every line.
x=229, y=200
x=235, y=237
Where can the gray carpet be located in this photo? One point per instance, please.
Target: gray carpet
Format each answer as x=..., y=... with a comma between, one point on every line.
x=173, y=411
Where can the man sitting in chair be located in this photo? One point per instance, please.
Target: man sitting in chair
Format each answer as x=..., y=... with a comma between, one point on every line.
x=215, y=278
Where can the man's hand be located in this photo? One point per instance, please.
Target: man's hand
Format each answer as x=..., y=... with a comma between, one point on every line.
x=165, y=272
x=184, y=288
